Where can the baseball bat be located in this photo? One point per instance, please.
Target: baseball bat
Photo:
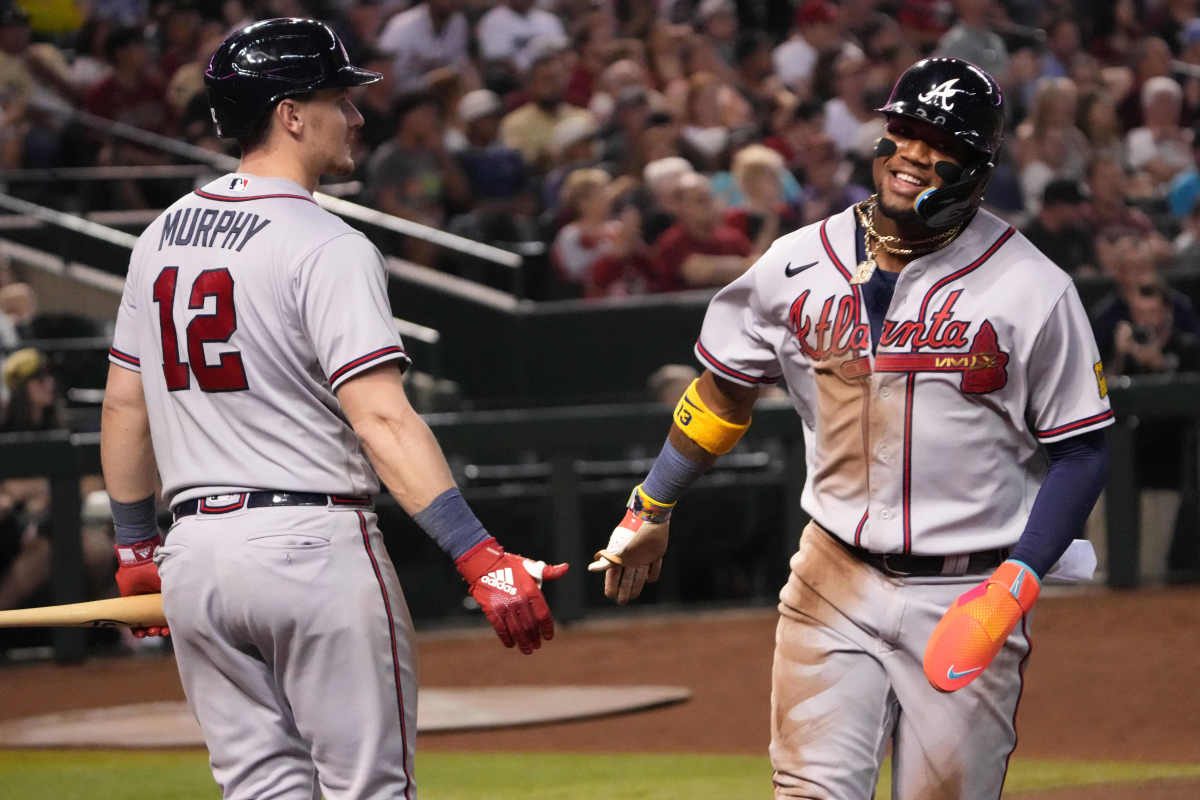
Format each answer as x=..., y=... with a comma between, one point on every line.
x=139, y=611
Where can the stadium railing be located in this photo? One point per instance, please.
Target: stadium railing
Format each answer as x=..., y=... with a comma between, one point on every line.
x=560, y=435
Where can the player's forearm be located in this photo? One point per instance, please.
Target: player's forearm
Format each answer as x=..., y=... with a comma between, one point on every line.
x=407, y=457
x=687, y=454
x=126, y=454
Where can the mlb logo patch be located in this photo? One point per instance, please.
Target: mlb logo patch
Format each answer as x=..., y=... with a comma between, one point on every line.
x=239, y=184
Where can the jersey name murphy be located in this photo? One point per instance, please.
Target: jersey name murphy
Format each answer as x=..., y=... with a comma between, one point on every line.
x=208, y=227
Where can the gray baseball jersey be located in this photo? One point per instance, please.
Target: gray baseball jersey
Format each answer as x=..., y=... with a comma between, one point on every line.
x=245, y=307
x=927, y=444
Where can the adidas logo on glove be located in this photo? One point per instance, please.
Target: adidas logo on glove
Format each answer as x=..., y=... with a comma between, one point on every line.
x=501, y=579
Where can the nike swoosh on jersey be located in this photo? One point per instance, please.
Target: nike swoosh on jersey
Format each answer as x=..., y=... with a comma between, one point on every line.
x=791, y=271
x=952, y=675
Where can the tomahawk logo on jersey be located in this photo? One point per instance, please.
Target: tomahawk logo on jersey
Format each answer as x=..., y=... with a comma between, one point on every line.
x=985, y=348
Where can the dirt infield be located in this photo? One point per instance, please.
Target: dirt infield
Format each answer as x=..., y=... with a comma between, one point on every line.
x=1112, y=677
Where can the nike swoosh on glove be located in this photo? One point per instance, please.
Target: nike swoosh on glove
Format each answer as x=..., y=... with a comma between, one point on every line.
x=508, y=589
x=974, y=629
x=138, y=574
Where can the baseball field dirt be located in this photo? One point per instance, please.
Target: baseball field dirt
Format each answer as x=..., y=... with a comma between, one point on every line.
x=1111, y=678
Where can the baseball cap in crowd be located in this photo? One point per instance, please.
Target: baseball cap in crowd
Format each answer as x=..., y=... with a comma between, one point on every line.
x=1063, y=192
x=571, y=131
x=478, y=104
x=814, y=12
x=22, y=365
x=547, y=45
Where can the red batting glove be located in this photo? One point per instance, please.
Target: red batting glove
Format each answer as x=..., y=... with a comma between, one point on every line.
x=137, y=574
x=508, y=589
x=974, y=629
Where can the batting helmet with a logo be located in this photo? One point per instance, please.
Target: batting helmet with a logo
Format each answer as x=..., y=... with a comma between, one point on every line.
x=964, y=101
x=263, y=63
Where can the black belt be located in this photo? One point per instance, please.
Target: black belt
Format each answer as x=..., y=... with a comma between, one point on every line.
x=235, y=501
x=903, y=565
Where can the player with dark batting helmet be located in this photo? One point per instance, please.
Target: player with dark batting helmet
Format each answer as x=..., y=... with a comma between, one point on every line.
x=939, y=361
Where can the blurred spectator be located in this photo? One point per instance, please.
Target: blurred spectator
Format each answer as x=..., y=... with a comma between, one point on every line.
x=762, y=213
x=90, y=66
x=133, y=93
x=623, y=132
x=1060, y=228
x=180, y=28
x=717, y=21
x=698, y=250
x=377, y=104
x=426, y=37
x=587, y=197
x=530, y=127
x=1135, y=268
x=493, y=171
x=704, y=134
x=814, y=28
x=1160, y=147
x=1150, y=340
x=1106, y=183
x=1062, y=46
x=627, y=266
x=122, y=12
x=591, y=40
x=972, y=39
x=668, y=383
x=413, y=176
x=850, y=119
x=33, y=401
x=662, y=196
x=1096, y=117
x=19, y=303
x=509, y=32
x=1184, y=189
x=24, y=555
x=1151, y=58
x=16, y=85
x=755, y=77
x=794, y=129
x=827, y=188
x=572, y=146
x=1048, y=144
x=622, y=75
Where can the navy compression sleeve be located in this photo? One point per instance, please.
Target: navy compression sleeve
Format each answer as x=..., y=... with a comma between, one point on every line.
x=1078, y=470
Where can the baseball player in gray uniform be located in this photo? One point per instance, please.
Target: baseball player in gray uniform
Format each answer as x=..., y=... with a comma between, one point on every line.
x=952, y=398
x=256, y=370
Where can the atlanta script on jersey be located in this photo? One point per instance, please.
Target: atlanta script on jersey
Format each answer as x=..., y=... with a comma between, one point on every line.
x=985, y=349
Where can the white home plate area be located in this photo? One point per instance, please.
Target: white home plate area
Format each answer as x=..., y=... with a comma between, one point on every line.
x=170, y=724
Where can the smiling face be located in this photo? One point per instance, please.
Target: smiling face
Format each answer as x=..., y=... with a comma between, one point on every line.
x=901, y=177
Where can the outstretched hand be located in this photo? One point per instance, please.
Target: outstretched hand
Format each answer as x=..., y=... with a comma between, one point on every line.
x=508, y=589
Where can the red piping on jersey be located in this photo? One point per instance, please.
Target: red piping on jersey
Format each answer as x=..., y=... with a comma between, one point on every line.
x=210, y=196
x=387, y=608
x=361, y=360
x=1020, y=691
x=128, y=359
x=910, y=384
x=858, y=530
x=730, y=371
x=1079, y=423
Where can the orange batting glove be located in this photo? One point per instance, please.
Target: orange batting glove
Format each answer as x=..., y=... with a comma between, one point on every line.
x=976, y=626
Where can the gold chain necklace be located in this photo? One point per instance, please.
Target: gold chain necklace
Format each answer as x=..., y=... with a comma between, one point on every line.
x=876, y=241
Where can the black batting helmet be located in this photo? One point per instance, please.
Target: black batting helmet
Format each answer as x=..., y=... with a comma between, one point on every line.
x=963, y=100
x=263, y=63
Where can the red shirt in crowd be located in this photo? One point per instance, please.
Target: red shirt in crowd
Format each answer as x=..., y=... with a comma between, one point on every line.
x=675, y=245
x=141, y=105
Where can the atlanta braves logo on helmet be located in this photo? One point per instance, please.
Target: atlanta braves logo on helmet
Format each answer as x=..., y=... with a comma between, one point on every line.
x=942, y=94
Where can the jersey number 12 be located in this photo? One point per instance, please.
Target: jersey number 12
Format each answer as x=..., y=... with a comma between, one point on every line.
x=228, y=375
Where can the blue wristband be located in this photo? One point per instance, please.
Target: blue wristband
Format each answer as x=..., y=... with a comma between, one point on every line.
x=671, y=474
x=134, y=522
x=449, y=521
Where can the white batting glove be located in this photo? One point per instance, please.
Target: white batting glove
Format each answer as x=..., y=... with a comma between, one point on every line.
x=634, y=554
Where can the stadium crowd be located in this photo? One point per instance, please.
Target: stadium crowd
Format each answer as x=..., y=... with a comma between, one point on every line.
x=653, y=147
